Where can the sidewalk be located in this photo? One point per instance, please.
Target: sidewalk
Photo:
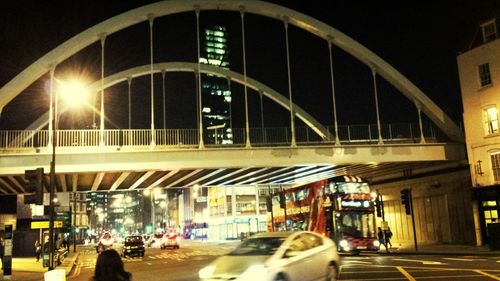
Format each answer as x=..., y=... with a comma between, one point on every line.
x=441, y=249
x=29, y=264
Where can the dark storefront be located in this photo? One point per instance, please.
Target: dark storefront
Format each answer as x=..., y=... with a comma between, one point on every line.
x=488, y=200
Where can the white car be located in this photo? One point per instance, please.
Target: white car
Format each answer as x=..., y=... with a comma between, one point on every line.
x=273, y=256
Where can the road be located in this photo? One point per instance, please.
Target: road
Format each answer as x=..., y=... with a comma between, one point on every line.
x=421, y=267
x=183, y=265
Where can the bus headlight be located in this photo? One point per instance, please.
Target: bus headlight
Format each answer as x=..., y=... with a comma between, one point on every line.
x=376, y=243
x=343, y=243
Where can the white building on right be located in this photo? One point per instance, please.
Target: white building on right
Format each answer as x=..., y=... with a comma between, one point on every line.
x=479, y=71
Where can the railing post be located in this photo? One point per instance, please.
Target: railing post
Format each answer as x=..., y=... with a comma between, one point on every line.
x=390, y=131
x=349, y=133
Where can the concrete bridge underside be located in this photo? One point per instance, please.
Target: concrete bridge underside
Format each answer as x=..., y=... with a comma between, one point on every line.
x=115, y=168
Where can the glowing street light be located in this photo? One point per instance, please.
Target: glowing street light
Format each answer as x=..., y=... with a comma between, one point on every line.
x=68, y=88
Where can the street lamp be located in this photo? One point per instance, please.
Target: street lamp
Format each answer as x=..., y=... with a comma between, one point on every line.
x=71, y=90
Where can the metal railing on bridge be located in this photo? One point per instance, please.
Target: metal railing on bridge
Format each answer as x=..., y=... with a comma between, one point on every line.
x=275, y=136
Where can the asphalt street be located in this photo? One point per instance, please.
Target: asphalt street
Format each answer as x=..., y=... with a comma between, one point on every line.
x=183, y=265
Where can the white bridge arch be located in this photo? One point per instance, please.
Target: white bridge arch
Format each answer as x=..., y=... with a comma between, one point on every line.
x=132, y=17
x=207, y=69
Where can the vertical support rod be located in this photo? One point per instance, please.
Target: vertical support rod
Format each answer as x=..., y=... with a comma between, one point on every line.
x=335, y=123
x=230, y=107
x=101, y=127
x=413, y=220
x=129, y=80
x=153, y=135
x=292, y=113
x=272, y=213
x=201, y=145
x=261, y=96
x=163, y=92
x=52, y=172
x=374, y=75
x=419, y=110
x=74, y=222
x=247, y=123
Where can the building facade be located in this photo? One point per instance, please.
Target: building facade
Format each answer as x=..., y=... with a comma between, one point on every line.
x=479, y=71
x=216, y=94
x=80, y=220
x=442, y=206
x=233, y=211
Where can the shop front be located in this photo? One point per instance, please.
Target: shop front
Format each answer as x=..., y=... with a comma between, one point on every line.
x=488, y=202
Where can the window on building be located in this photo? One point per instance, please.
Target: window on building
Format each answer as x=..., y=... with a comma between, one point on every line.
x=491, y=120
x=495, y=165
x=489, y=30
x=484, y=74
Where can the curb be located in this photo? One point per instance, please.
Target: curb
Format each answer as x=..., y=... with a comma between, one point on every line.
x=443, y=253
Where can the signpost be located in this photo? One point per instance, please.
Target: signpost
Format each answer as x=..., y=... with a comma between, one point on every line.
x=7, y=259
x=45, y=224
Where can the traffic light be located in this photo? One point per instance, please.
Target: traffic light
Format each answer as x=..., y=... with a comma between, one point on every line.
x=33, y=186
x=406, y=200
x=282, y=200
x=378, y=206
x=269, y=203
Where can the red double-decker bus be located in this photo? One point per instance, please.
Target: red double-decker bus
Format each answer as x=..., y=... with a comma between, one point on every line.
x=341, y=208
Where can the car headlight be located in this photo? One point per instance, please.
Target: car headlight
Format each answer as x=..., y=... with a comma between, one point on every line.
x=254, y=272
x=206, y=272
x=376, y=243
x=343, y=243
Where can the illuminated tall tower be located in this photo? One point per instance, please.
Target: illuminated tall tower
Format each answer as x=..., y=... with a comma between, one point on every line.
x=216, y=96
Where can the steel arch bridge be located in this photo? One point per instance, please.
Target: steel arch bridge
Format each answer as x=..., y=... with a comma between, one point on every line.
x=374, y=157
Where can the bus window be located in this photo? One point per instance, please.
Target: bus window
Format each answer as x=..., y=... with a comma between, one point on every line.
x=355, y=224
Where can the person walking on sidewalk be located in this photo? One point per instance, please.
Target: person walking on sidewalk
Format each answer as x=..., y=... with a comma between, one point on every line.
x=2, y=249
x=38, y=250
x=109, y=267
x=381, y=239
x=388, y=236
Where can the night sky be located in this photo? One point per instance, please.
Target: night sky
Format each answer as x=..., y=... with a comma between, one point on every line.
x=418, y=39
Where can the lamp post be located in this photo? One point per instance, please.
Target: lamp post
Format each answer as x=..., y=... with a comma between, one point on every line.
x=76, y=92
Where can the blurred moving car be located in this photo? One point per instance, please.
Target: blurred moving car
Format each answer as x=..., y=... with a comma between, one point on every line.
x=133, y=245
x=105, y=242
x=170, y=240
x=289, y=256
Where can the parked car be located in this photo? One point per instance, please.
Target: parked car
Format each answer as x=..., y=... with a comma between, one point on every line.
x=170, y=240
x=133, y=245
x=291, y=256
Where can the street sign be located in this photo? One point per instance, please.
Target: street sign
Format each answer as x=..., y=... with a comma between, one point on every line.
x=45, y=224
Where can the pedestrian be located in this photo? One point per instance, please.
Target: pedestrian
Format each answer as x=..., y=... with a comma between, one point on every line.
x=109, y=267
x=388, y=236
x=2, y=250
x=381, y=238
x=38, y=249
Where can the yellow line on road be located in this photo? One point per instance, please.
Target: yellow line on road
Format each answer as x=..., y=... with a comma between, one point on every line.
x=405, y=273
x=487, y=274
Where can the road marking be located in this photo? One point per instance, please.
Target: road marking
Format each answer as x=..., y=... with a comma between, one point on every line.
x=422, y=261
x=405, y=273
x=365, y=262
x=454, y=259
x=487, y=274
x=148, y=263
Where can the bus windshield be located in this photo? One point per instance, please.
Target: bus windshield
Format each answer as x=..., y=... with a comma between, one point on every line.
x=355, y=224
